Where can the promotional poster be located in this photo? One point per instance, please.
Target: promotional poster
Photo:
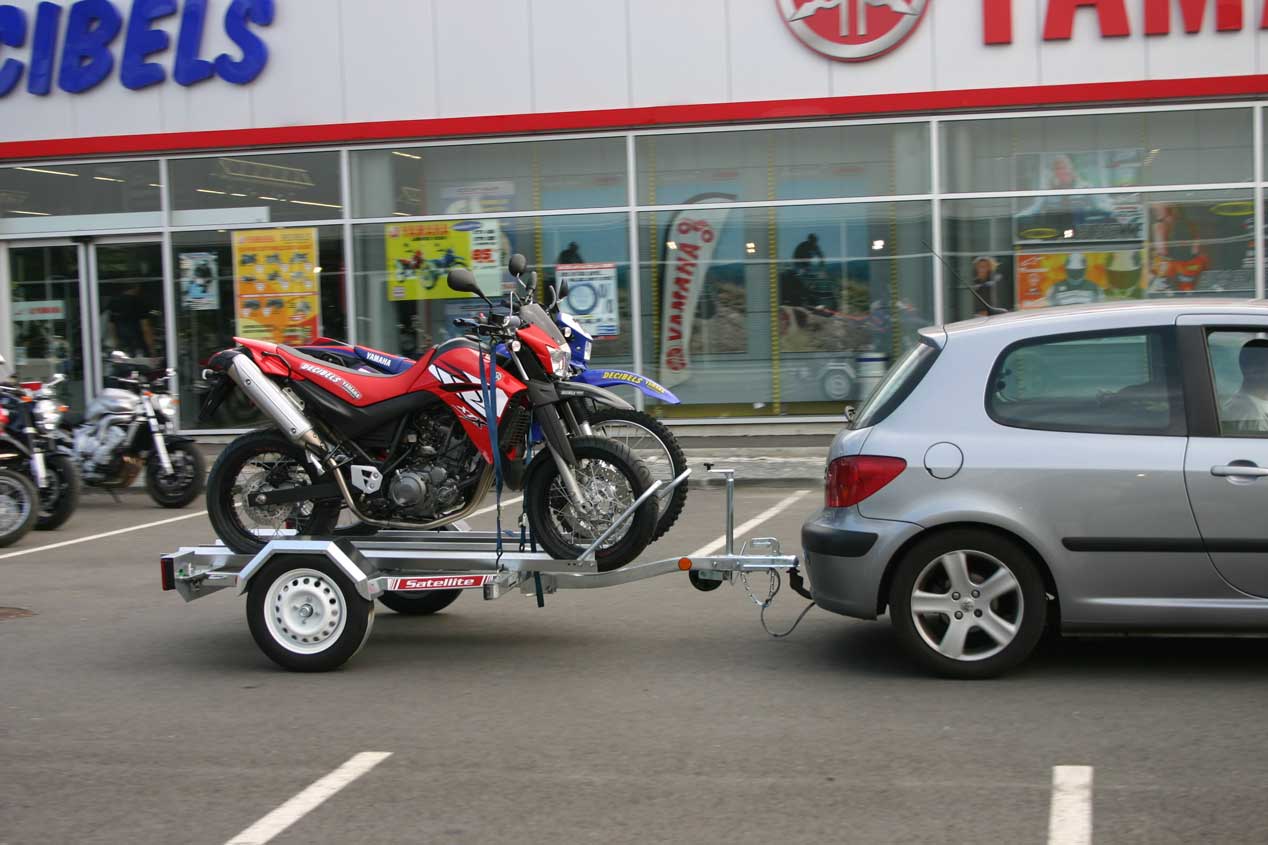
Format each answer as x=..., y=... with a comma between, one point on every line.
x=591, y=297
x=199, y=281
x=420, y=256
x=1080, y=217
x=1202, y=247
x=1079, y=278
x=276, y=285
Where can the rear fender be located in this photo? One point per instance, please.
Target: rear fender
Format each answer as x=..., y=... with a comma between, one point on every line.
x=618, y=378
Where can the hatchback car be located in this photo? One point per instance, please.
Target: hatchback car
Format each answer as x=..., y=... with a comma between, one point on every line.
x=1095, y=469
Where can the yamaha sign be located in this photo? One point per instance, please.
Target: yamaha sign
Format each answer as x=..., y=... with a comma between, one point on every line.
x=853, y=30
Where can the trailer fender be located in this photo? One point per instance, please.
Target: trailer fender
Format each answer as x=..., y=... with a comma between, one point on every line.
x=342, y=553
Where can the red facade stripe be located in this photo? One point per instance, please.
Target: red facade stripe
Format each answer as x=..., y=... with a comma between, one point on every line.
x=933, y=102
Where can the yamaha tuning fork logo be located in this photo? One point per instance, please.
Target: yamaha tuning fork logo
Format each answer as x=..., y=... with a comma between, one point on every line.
x=852, y=30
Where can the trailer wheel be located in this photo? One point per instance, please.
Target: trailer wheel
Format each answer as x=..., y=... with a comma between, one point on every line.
x=306, y=615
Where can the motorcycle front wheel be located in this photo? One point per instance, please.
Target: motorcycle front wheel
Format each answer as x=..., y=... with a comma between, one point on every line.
x=60, y=497
x=183, y=484
x=651, y=441
x=261, y=462
x=19, y=506
x=611, y=479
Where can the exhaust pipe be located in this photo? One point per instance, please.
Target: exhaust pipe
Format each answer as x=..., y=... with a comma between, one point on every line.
x=270, y=399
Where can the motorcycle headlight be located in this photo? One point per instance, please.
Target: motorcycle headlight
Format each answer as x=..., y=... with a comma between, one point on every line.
x=561, y=362
x=166, y=405
x=47, y=415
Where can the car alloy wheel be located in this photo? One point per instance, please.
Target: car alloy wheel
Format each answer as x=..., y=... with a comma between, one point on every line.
x=967, y=605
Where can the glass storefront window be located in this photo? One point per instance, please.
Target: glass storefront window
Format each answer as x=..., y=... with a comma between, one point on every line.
x=405, y=307
x=240, y=190
x=47, y=325
x=1033, y=253
x=799, y=310
x=1073, y=152
x=489, y=178
x=784, y=164
x=284, y=285
x=39, y=198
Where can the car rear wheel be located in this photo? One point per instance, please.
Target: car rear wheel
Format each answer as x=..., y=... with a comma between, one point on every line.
x=968, y=603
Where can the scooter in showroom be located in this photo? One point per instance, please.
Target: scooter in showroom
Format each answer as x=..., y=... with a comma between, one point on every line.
x=29, y=446
x=131, y=427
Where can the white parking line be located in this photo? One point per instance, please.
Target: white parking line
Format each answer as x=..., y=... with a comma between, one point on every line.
x=743, y=530
x=96, y=537
x=309, y=799
x=1070, y=819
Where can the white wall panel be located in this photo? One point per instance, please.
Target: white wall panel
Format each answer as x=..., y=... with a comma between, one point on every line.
x=305, y=75
x=680, y=51
x=399, y=37
x=484, y=57
x=962, y=58
x=581, y=56
x=342, y=61
x=767, y=63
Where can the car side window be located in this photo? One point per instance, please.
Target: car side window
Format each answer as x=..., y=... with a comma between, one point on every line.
x=1239, y=370
x=1109, y=383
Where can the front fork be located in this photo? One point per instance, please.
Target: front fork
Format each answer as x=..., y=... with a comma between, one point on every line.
x=39, y=470
x=160, y=439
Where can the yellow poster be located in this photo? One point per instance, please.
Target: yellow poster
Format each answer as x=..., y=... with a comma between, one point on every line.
x=276, y=285
x=420, y=256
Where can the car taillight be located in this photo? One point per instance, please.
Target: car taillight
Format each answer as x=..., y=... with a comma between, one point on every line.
x=853, y=479
x=4, y=418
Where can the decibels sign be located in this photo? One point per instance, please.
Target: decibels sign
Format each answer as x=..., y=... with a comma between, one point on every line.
x=96, y=31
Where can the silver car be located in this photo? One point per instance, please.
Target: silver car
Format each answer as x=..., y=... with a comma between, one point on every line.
x=1094, y=469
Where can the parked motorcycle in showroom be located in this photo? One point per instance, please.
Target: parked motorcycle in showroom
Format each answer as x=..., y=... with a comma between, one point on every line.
x=413, y=451
x=131, y=427
x=589, y=412
x=29, y=446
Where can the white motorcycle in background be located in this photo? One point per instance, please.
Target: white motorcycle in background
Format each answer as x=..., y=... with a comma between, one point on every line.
x=132, y=427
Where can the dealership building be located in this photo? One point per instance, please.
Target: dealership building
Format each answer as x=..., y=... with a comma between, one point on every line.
x=756, y=202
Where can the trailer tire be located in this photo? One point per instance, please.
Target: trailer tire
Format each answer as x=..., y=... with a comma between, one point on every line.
x=305, y=614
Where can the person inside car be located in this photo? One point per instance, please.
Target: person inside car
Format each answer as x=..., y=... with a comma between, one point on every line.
x=1247, y=410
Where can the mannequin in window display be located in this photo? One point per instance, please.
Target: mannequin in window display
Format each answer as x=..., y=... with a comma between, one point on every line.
x=1177, y=260
x=1076, y=288
x=1247, y=409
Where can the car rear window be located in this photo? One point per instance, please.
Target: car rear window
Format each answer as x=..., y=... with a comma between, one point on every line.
x=897, y=386
x=1108, y=383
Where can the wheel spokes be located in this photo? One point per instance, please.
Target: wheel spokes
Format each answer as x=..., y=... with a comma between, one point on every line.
x=956, y=565
x=932, y=603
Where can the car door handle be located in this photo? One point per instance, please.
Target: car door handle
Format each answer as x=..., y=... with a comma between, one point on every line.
x=1240, y=471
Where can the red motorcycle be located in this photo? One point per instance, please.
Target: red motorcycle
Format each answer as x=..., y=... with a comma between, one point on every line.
x=413, y=451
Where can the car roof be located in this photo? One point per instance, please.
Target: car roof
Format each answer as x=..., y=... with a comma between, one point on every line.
x=1090, y=317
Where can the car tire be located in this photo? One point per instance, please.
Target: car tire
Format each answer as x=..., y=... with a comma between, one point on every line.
x=968, y=603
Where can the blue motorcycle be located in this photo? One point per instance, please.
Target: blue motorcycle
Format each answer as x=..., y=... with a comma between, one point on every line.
x=590, y=408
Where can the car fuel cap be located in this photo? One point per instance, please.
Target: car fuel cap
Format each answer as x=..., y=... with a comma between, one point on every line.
x=944, y=460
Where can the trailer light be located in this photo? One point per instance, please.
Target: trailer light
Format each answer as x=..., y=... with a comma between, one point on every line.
x=168, y=568
x=684, y=564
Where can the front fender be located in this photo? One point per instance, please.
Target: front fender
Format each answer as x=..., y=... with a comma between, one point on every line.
x=581, y=390
x=617, y=378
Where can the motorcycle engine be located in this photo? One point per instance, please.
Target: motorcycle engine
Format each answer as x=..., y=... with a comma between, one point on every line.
x=440, y=469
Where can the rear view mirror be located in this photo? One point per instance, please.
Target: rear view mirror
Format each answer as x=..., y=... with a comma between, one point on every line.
x=518, y=265
x=464, y=281
x=563, y=289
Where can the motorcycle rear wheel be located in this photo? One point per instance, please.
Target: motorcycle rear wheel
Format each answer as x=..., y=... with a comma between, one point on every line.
x=259, y=462
x=612, y=478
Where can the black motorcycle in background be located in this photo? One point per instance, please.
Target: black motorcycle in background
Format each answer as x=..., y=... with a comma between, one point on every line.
x=29, y=447
x=131, y=427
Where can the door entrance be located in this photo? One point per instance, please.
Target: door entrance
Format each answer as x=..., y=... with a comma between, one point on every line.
x=75, y=302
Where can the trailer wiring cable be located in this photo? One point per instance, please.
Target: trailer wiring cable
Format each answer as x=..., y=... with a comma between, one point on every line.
x=764, y=604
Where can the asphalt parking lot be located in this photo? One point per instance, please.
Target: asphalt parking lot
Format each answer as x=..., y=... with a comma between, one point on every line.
x=647, y=713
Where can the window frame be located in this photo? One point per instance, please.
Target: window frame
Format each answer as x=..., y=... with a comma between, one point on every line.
x=1205, y=418
x=1179, y=424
